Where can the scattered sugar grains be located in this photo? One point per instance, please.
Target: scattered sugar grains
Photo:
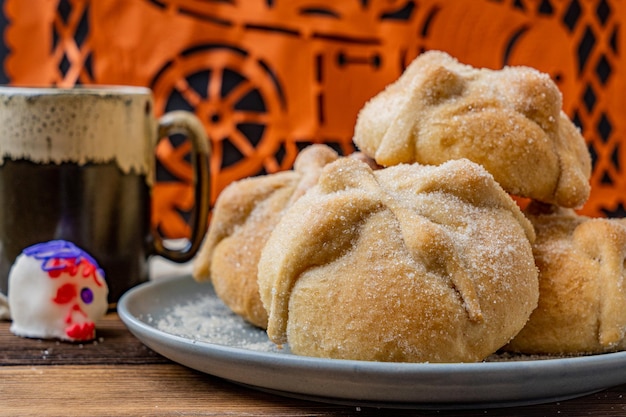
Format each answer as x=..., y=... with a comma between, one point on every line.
x=208, y=319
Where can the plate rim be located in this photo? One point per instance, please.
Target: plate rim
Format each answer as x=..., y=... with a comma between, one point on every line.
x=228, y=362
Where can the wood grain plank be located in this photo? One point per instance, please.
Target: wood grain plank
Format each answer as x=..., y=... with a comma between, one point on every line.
x=170, y=389
x=146, y=390
x=113, y=344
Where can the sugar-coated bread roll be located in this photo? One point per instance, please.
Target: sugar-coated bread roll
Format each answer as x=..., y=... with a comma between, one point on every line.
x=409, y=263
x=582, y=293
x=244, y=215
x=510, y=121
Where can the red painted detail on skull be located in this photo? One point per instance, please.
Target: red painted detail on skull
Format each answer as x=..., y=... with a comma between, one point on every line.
x=90, y=269
x=81, y=331
x=59, y=266
x=65, y=294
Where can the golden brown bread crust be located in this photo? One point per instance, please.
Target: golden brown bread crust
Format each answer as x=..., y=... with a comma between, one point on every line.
x=510, y=121
x=582, y=294
x=243, y=218
x=409, y=263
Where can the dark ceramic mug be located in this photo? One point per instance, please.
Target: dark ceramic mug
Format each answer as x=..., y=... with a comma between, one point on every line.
x=77, y=164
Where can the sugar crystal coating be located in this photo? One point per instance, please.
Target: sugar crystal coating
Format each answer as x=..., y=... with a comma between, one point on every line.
x=408, y=263
x=582, y=293
x=509, y=120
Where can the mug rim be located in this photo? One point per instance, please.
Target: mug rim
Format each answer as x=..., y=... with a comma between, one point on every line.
x=80, y=89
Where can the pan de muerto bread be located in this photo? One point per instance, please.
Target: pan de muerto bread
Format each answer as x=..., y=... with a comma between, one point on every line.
x=582, y=293
x=509, y=121
x=244, y=215
x=409, y=263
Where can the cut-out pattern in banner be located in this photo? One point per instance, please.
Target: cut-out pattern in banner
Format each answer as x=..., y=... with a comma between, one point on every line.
x=268, y=78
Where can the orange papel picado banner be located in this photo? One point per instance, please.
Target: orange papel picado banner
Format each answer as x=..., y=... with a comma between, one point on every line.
x=269, y=77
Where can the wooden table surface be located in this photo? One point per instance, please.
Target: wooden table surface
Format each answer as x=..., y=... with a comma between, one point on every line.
x=117, y=375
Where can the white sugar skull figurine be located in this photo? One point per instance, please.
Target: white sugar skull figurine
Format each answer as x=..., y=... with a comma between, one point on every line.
x=56, y=290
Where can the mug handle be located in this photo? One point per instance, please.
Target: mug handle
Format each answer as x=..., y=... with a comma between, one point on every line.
x=185, y=123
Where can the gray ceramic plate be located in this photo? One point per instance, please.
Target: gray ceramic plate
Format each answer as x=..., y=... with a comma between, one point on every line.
x=185, y=322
